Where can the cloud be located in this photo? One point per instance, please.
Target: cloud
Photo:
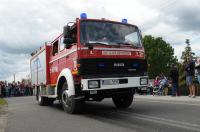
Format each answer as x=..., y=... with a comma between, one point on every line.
x=184, y=16
x=26, y=24
x=176, y=21
x=13, y=64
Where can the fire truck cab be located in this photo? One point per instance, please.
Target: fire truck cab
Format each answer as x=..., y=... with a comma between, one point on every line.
x=91, y=60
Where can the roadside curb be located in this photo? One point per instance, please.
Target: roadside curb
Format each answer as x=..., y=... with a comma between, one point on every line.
x=185, y=99
x=3, y=117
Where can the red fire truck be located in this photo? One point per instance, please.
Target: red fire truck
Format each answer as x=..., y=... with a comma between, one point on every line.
x=91, y=60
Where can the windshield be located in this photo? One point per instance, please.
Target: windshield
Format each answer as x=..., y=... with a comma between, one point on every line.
x=109, y=33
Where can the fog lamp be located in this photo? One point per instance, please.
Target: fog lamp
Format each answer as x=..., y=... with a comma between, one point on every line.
x=93, y=84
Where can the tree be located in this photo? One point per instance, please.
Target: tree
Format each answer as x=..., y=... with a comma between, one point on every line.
x=159, y=54
x=187, y=52
x=26, y=80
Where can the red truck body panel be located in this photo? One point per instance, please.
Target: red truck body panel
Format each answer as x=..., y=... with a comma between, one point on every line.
x=66, y=58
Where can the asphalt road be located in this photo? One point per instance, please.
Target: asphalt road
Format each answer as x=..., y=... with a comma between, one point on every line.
x=145, y=115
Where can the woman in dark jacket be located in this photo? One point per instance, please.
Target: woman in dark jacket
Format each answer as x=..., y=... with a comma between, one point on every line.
x=189, y=69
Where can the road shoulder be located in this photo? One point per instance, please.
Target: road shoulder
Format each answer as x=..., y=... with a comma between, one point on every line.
x=3, y=114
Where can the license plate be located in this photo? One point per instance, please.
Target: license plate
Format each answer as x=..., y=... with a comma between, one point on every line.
x=93, y=92
x=143, y=88
x=110, y=82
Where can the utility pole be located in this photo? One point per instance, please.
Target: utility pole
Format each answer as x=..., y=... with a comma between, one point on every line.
x=14, y=78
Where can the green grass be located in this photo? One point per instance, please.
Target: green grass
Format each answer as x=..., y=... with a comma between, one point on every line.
x=2, y=102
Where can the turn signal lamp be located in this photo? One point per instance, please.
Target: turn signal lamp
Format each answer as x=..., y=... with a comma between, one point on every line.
x=76, y=76
x=74, y=72
x=78, y=65
x=124, y=21
x=83, y=16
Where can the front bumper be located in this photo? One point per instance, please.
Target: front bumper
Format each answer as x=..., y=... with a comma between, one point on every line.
x=124, y=82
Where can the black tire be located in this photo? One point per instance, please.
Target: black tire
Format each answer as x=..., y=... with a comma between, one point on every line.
x=41, y=100
x=49, y=101
x=70, y=104
x=44, y=101
x=123, y=100
x=37, y=93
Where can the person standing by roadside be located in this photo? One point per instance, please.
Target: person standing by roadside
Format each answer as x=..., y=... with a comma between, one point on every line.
x=4, y=90
x=22, y=88
x=174, y=75
x=0, y=89
x=7, y=88
x=26, y=90
x=189, y=69
x=198, y=69
x=10, y=90
x=156, y=81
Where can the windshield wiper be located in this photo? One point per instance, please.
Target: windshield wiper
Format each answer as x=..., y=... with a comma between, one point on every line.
x=97, y=43
x=128, y=44
x=91, y=44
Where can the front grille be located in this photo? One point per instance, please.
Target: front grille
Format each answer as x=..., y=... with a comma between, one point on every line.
x=90, y=68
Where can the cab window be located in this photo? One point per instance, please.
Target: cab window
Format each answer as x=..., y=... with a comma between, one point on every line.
x=55, y=48
x=62, y=45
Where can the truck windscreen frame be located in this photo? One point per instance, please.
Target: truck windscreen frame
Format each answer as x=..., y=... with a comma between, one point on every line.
x=109, y=33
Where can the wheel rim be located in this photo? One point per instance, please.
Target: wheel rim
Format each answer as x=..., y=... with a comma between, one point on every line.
x=39, y=96
x=65, y=98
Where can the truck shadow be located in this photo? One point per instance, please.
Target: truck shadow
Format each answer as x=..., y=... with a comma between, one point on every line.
x=103, y=107
x=106, y=112
x=109, y=114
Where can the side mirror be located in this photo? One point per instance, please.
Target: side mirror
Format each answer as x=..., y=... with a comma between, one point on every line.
x=66, y=31
x=68, y=42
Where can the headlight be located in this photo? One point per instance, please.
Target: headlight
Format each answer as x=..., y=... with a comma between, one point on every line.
x=93, y=84
x=143, y=81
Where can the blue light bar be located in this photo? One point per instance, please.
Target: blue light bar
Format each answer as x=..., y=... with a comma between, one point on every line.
x=83, y=16
x=101, y=65
x=124, y=21
x=135, y=65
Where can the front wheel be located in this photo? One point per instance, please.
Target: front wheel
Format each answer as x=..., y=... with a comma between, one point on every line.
x=123, y=100
x=69, y=103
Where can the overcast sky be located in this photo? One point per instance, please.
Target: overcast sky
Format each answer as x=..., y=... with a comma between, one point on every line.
x=26, y=24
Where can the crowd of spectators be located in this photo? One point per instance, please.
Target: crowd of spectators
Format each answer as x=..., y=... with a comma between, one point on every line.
x=15, y=89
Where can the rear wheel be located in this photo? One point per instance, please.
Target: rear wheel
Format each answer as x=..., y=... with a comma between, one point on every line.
x=49, y=101
x=123, y=100
x=44, y=101
x=69, y=103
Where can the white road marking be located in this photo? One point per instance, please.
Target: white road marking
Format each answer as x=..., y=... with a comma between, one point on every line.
x=170, y=102
x=159, y=120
